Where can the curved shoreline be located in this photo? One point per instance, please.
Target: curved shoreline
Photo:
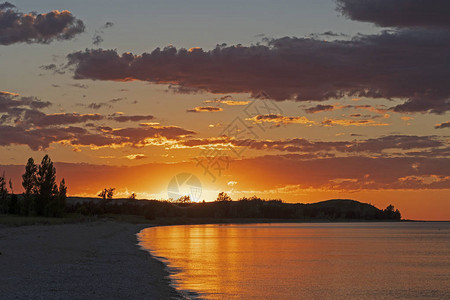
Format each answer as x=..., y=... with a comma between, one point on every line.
x=98, y=260
x=185, y=294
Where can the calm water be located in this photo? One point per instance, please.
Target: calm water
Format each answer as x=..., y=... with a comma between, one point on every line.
x=307, y=261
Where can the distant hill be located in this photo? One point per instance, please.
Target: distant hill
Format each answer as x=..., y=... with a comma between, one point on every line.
x=331, y=210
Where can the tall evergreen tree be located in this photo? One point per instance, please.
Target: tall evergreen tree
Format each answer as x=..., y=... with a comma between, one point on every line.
x=62, y=197
x=29, y=185
x=13, y=205
x=3, y=195
x=47, y=189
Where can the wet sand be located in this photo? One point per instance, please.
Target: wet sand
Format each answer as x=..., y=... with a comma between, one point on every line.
x=99, y=260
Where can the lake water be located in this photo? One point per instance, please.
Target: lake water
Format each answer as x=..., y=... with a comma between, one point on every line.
x=306, y=261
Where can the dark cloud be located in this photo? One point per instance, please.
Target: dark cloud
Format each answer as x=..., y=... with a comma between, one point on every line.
x=138, y=135
x=17, y=27
x=431, y=146
x=23, y=123
x=278, y=119
x=398, y=13
x=96, y=106
x=319, y=108
x=6, y=5
x=442, y=125
x=36, y=139
x=137, y=118
x=41, y=119
x=179, y=89
x=12, y=100
x=13, y=106
x=205, y=109
x=54, y=68
x=48, y=67
x=97, y=39
x=327, y=34
x=41, y=138
x=130, y=136
x=412, y=65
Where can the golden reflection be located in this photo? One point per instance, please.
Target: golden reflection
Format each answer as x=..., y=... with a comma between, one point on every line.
x=292, y=261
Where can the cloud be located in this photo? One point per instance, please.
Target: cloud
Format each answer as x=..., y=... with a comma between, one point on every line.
x=319, y=108
x=13, y=106
x=177, y=89
x=36, y=139
x=410, y=63
x=279, y=119
x=228, y=100
x=377, y=66
x=41, y=138
x=139, y=134
x=136, y=156
x=344, y=122
x=398, y=13
x=17, y=27
x=136, y=118
x=42, y=119
x=96, y=106
x=11, y=100
x=389, y=146
x=97, y=39
x=205, y=109
x=442, y=125
x=23, y=123
x=327, y=34
x=52, y=67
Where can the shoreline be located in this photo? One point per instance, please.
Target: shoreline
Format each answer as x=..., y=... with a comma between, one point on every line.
x=95, y=260
x=184, y=294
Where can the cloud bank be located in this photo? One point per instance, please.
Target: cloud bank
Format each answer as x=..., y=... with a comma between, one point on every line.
x=18, y=27
x=398, y=13
x=22, y=122
x=410, y=62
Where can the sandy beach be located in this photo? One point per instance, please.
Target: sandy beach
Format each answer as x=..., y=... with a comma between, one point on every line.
x=98, y=260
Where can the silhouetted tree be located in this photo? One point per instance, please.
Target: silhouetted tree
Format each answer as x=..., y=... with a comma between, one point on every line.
x=46, y=187
x=223, y=197
x=102, y=194
x=30, y=186
x=132, y=196
x=3, y=195
x=183, y=199
x=13, y=205
x=107, y=193
x=391, y=213
x=62, y=197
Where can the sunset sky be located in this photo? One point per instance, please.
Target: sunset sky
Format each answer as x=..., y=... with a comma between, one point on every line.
x=296, y=100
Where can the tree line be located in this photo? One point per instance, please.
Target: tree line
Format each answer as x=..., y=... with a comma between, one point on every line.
x=225, y=207
x=41, y=196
